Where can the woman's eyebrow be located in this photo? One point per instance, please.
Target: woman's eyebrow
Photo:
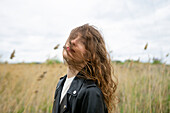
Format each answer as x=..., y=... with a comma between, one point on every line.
x=82, y=40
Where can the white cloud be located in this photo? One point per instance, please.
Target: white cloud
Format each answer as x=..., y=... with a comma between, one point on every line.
x=33, y=28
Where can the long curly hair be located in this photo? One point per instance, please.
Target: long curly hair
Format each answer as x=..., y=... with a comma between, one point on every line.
x=97, y=60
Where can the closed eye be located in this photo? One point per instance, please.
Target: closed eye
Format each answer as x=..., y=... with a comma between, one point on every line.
x=83, y=42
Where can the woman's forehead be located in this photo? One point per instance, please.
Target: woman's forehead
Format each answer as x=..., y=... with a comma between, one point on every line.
x=77, y=36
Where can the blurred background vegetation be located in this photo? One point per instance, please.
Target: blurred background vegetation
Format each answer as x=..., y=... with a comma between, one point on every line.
x=30, y=88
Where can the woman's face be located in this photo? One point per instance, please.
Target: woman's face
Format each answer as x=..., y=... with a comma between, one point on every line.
x=74, y=46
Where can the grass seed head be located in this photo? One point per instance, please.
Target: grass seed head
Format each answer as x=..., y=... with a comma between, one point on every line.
x=12, y=54
x=146, y=46
x=56, y=47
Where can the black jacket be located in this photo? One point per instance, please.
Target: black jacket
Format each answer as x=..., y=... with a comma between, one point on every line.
x=83, y=96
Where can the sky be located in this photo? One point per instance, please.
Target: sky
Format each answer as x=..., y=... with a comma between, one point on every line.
x=34, y=27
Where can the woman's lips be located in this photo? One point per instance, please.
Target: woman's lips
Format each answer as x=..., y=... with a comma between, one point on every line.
x=69, y=49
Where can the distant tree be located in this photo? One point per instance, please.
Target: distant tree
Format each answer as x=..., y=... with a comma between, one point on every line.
x=157, y=60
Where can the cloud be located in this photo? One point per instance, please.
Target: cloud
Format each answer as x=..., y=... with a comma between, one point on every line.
x=33, y=28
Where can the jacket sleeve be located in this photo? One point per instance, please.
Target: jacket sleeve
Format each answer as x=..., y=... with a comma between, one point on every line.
x=93, y=101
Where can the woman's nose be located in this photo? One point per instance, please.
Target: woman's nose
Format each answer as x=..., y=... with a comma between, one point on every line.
x=73, y=42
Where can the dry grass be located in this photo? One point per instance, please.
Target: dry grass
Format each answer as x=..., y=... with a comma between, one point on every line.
x=29, y=88
x=143, y=88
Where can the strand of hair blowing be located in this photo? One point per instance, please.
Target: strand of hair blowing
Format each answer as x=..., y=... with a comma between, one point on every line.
x=101, y=64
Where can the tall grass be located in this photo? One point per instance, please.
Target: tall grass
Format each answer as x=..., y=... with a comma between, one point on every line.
x=29, y=88
x=143, y=88
x=21, y=90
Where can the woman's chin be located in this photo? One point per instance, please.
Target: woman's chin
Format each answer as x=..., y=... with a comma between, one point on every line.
x=67, y=57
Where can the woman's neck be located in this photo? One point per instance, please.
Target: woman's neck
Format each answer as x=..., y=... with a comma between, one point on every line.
x=71, y=72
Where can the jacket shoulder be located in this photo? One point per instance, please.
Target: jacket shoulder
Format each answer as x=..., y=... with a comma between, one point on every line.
x=89, y=83
x=92, y=99
x=91, y=87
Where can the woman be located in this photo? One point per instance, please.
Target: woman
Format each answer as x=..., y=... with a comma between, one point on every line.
x=88, y=86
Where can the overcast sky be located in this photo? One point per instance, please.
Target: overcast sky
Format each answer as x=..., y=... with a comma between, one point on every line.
x=34, y=27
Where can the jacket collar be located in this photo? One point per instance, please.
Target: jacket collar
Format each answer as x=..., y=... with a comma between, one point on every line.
x=77, y=81
x=75, y=85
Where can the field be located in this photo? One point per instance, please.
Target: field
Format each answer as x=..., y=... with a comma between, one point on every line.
x=29, y=88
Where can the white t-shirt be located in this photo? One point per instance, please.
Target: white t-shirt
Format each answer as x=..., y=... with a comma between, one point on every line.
x=66, y=86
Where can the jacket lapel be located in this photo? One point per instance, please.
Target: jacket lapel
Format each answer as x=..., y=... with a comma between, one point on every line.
x=75, y=85
x=58, y=94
